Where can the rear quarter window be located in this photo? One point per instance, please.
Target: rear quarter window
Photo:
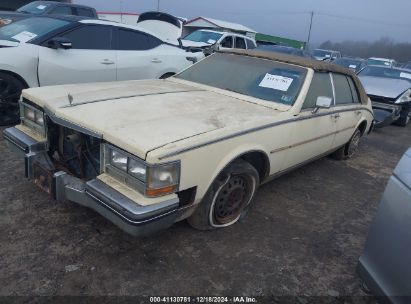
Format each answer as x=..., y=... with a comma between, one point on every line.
x=343, y=94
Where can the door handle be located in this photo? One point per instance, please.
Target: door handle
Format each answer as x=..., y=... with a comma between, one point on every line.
x=107, y=61
x=335, y=116
x=156, y=60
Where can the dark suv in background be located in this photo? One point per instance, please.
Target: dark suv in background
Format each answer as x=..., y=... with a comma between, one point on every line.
x=39, y=8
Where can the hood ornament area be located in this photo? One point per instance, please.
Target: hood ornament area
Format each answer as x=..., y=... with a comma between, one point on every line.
x=70, y=99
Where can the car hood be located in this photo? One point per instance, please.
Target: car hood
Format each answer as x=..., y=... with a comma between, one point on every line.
x=160, y=24
x=384, y=87
x=189, y=43
x=140, y=116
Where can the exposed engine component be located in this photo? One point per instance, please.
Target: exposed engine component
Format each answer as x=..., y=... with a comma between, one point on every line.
x=74, y=152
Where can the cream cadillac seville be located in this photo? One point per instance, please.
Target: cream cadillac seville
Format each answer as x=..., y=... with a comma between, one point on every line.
x=146, y=154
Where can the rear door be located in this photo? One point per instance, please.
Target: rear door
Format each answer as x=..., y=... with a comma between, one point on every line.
x=347, y=104
x=312, y=133
x=138, y=55
x=90, y=59
x=240, y=43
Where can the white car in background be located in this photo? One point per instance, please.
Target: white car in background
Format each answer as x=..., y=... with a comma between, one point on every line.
x=44, y=51
x=220, y=40
x=382, y=61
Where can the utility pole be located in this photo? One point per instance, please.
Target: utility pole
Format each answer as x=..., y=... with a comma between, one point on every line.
x=158, y=5
x=309, y=32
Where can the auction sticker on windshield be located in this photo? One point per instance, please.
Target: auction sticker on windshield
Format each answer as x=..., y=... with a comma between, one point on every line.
x=276, y=82
x=24, y=36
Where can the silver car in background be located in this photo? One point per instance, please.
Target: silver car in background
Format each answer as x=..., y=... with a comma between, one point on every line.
x=385, y=265
x=390, y=92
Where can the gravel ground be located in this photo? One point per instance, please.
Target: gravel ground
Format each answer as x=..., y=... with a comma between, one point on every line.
x=303, y=237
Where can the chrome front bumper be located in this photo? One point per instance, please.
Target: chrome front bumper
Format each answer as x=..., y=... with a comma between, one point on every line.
x=135, y=219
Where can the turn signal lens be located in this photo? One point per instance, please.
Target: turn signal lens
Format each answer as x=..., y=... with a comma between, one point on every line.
x=161, y=191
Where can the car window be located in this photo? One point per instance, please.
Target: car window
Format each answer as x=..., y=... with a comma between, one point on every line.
x=86, y=12
x=90, y=37
x=129, y=40
x=320, y=86
x=250, y=44
x=61, y=10
x=260, y=78
x=342, y=88
x=227, y=42
x=354, y=90
x=240, y=43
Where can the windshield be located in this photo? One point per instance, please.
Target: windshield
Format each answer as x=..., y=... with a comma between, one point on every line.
x=203, y=36
x=35, y=8
x=386, y=73
x=378, y=62
x=260, y=78
x=407, y=66
x=29, y=29
x=322, y=53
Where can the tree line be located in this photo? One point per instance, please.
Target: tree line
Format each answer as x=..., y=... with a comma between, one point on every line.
x=384, y=47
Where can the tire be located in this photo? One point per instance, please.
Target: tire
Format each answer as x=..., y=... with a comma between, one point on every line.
x=404, y=118
x=350, y=148
x=228, y=198
x=10, y=91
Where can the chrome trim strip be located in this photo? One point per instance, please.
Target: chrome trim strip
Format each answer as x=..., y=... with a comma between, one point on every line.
x=126, y=96
x=310, y=140
x=104, y=192
x=285, y=171
x=194, y=147
x=333, y=88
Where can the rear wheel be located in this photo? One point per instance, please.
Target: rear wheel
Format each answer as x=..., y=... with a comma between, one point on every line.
x=349, y=149
x=228, y=197
x=10, y=91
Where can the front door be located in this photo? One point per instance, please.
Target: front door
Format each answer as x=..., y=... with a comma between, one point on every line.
x=90, y=59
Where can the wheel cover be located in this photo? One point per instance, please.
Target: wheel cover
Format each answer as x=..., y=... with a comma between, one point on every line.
x=231, y=199
x=354, y=143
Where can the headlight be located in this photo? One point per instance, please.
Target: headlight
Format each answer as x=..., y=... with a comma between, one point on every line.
x=151, y=180
x=406, y=97
x=33, y=118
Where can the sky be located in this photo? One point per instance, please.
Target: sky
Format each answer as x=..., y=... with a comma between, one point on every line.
x=334, y=20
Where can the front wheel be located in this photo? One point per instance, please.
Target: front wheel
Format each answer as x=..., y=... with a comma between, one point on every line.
x=10, y=91
x=404, y=117
x=349, y=149
x=228, y=197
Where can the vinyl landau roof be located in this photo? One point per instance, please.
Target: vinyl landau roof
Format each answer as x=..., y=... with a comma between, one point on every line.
x=319, y=66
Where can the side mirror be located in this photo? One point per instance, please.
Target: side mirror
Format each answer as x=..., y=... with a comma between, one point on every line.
x=60, y=43
x=323, y=102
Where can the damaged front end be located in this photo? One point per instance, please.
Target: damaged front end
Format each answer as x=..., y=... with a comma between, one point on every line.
x=65, y=161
